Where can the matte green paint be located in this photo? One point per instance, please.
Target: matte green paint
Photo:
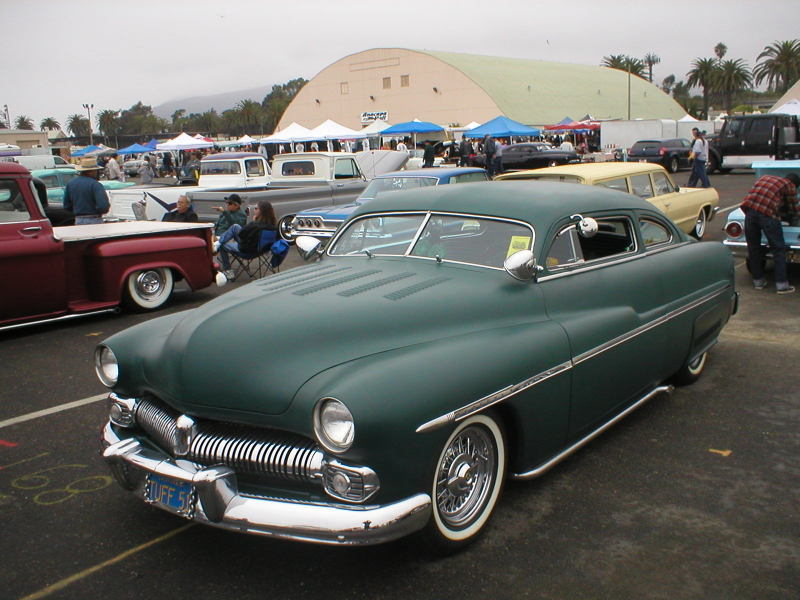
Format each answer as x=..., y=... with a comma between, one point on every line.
x=265, y=353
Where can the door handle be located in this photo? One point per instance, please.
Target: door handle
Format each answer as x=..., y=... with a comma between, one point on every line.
x=339, y=185
x=30, y=230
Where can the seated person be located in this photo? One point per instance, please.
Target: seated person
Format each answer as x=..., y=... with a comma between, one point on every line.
x=244, y=240
x=183, y=213
x=232, y=214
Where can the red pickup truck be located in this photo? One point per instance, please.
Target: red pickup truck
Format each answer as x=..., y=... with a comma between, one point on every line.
x=51, y=273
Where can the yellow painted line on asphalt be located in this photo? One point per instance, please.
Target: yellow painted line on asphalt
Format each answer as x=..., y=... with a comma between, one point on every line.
x=60, y=585
x=53, y=410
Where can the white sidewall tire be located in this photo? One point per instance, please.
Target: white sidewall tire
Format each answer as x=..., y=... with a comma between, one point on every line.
x=139, y=299
x=700, y=225
x=462, y=535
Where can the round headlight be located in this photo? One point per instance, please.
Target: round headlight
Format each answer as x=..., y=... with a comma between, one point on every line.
x=106, y=366
x=333, y=425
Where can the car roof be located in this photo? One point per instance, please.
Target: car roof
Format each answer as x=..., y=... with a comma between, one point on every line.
x=40, y=172
x=12, y=168
x=535, y=202
x=438, y=172
x=589, y=171
x=229, y=155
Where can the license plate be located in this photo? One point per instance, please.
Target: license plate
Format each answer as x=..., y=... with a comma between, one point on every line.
x=175, y=496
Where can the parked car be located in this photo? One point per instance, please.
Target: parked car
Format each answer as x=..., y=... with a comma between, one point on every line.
x=446, y=339
x=672, y=154
x=690, y=208
x=55, y=180
x=321, y=222
x=132, y=165
x=415, y=159
x=532, y=155
x=734, y=226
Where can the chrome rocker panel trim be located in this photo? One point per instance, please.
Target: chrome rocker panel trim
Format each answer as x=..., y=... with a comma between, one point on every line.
x=219, y=503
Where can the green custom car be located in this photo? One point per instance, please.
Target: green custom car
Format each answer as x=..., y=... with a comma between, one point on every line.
x=445, y=339
x=55, y=180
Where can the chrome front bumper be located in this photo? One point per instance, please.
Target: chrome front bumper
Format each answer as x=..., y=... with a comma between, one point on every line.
x=220, y=504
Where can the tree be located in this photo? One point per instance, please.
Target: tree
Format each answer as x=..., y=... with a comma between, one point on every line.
x=250, y=113
x=720, y=50
x=178, y=119
x=702, y=75
x=78, y=125
x=140, y=120
x=24, y=122
x=667, y=83
x=780, y=65
x=731, y=77
x=626, y=63
x=49, y=123
x=108, y=122
x=275, y=103
x=651, y=59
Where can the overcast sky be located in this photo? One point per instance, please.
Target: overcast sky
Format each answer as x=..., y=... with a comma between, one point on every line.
x=61, y=54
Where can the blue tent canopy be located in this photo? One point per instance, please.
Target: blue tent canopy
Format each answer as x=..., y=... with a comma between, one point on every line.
x=501, y=127
x=412, y=127
x=86, y=150
x=135, y=149
x=151, y=145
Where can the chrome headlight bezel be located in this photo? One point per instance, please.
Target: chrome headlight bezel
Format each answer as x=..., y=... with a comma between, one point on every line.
x=106, y=366
x=334, y=426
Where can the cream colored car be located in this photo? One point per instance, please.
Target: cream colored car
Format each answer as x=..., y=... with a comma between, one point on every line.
x=690, y=208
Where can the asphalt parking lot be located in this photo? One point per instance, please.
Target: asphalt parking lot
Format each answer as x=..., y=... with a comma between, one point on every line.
x=693, y=496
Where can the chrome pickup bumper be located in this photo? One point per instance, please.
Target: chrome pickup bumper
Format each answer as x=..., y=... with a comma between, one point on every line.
x=219, y=503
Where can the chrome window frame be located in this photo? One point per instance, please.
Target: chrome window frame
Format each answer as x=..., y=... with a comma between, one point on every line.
x=587, y=264
x=427, y=214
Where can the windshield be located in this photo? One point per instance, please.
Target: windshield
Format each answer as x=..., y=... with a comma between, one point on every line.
x=220, y=167
x=396, y=184
x=443, y=237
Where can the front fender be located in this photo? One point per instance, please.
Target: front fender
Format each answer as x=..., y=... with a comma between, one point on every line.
x=392, y=394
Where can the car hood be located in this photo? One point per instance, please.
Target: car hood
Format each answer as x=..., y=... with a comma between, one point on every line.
x=331, y=213
x=251, y=350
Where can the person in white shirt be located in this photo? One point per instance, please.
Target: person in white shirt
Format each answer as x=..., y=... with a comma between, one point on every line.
x=401, y=146
x=113, y=172
x=566, y=146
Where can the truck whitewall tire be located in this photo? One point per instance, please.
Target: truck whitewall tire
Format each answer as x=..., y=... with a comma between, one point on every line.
x=148, y=289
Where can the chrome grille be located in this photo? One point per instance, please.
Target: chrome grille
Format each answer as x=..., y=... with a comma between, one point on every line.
x=243, y=449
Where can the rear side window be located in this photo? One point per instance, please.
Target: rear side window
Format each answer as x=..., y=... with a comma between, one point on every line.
x=619, y=184
x=641, y=186
x=220, y=167
x=654, y=233
x=662, y=184
x=468, y=177
x=298, y=167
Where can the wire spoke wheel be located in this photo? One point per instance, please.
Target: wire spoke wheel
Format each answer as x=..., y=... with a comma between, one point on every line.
x=467, y=482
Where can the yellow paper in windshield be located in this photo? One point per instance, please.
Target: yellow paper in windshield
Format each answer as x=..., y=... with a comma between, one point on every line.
x=518, y=242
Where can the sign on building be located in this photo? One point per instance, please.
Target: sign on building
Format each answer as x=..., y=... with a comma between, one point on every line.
x=377, y=115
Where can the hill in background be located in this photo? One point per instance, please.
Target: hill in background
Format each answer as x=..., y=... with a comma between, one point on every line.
x=219, y=102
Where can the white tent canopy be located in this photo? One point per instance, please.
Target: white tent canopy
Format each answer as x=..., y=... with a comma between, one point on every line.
x=687, y=117
x=184, y=142
x=291, y=133
x=792, y=107
x=331, y=130
x=246, y=139
x=375, y=128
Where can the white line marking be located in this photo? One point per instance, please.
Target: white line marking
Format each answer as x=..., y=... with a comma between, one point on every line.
x=50, y=411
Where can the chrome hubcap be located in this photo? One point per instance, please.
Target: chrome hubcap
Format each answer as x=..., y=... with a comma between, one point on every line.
x=465, y=476
x=148, y=283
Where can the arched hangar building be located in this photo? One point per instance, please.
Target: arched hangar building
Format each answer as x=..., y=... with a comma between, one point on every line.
x=455, y=89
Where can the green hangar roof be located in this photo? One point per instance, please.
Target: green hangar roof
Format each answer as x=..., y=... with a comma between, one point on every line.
x=540, y=92
x=399, y=84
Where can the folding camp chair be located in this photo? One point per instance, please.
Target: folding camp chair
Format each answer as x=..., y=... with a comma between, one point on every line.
x=271, y=252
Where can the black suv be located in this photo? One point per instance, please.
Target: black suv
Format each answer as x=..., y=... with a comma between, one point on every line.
x=672, y=154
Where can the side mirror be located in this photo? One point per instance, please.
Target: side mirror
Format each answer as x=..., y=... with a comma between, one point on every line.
x=308, y=246
x=522, y=266
x=587, y=227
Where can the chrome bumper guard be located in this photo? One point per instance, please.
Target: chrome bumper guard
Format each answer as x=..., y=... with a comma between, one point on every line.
x=219, y=502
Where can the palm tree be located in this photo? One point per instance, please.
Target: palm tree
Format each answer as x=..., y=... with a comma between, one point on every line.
x=78, y=125
x=667, y=83
x=24, y=122
x=49, y=123
x=702, y=75
x=731, y=77
x=720, y=50
x=781, y=65
x=108, y=122
x=178, y=119
x=250, y=112
x=623, y=62
x=651, y=59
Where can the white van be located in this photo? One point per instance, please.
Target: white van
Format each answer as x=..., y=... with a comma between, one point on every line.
x=41, y=161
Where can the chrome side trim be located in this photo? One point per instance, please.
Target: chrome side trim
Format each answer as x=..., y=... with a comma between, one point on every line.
x=543, y=468
x=54, y=319
x=646, y=327
x=507, y=392
x=511, y=390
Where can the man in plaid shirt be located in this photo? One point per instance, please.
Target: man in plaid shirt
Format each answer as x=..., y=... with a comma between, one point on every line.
x=771, y=198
